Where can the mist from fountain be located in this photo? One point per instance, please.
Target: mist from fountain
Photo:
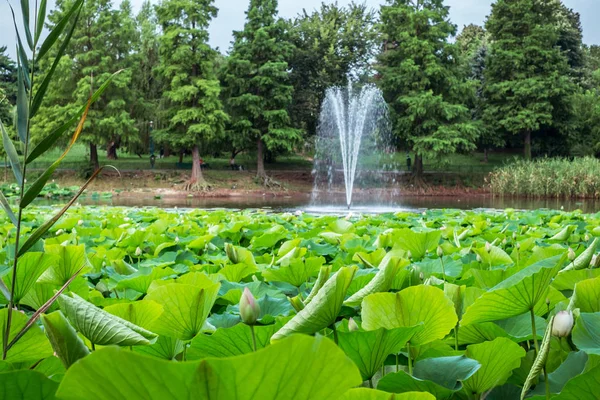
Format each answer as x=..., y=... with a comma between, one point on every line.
x=353, y=133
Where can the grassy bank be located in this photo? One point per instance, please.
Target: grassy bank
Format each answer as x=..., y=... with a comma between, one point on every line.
x=546, y=177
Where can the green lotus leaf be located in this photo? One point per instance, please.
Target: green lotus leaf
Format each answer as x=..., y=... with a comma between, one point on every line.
x=587, y=296
x=140, y=281
x=493, y=257
x=228, y=342
x=382, y=282
x=101, y=327
x=569, y=369
x=297, y=272
x=583, y=260
x=372, y=394
x=481, y=332
x=566, y=280
x=278, y=371
x=67, y=346
x=323, y=310
x=26, y=385
x=418, y=243
x=497, y=358
x=412, y=306
x=30, y=267
x=269, y=238
x=563, y=234
x=185, y=308
x=165, y=348
x=369, y=349
x=70, y=260
x=519, y=328
x=240, y=255
x=33, y=346
x=586, y=333
x=237, y=272
x=441, y=376
x=582, y=387
x=141, y=313
x=516, y=295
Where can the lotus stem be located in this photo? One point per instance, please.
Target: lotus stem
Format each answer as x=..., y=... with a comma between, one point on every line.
x=456, y=337
x=254, y=337
x=335, y=334
x=184, y=354
x=93, y=347
x=371, y=382
x=409, y=358
x=443, y=270
x=547, y=384
x=397, y=362
x=534, y=332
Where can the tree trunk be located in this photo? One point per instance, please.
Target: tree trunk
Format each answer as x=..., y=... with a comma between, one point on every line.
x=94, y=157
x=417, y=172
x=260, y=160
x=181, y=157
x=485, y=155
x=197, y=179
x=527, y=146
x=111, y=150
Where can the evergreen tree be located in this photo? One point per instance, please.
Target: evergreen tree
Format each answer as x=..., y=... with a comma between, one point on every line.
x=422, y=81
x=101, y=45
x=527, y=73
x=329, y=44
x=8, y=87
x=194, y=111
x=257, y=84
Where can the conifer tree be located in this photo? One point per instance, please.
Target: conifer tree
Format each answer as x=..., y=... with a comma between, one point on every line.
x=194, y=111
x=8, y=86
x=527, y=73
x=257, y=84
x=421, y=78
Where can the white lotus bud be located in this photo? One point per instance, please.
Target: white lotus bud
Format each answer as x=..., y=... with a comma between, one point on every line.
x=176, y=239
x=408, y=255
x=518, y=246
x=571, y=254
x=488, y=246
x=249, y=308
x=440, y=252
x=421, y=276
x=65, y=243
x=80, y=222
x=563, y=323
x=298, y=213
x=478, y=258
x=127, y=219
x=60, y=232
x=514, y=235
x=586, y=237
x=352, y=325
x=138, y=252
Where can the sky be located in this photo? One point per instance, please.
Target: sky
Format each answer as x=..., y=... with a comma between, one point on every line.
x=231, y=16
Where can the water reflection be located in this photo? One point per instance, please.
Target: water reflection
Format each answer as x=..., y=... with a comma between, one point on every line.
x=337, y=203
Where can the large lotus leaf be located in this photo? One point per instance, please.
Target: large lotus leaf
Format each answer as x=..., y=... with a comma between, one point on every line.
x=519, y=328
x=141, y=280
x=40, y=293
x=461, y=296
x=279, y=371
x=382, y=282
x=583, y=260
x=165, y=347
x=240, y=255
x=497, y=358
x=26, y=385
x=515, y=295
x=433, y=266
x=582, y=387
x=372, y=394
x=101, y=327
x=480, y=332
x=493, y=257
x=441, y=376
x=185, y=308
x=269, y=238
x=570, y=368
x=70, y=260
x=566, y=280
x=228, y=342
x=369, y=349
x=237, y=272
x=33, y=346
x=141, y=313
x=587, y=295
x=547, y=304
x=586, y=333
x=30, y=267
x=412, y=306
x=418, y=243
x=67, y=346
x=297, y=272
x=323, y=310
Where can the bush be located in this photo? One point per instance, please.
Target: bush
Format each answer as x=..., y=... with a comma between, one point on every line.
x=549, y=177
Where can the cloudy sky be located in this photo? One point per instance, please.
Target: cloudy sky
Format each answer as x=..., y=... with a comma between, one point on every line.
x=231, y=16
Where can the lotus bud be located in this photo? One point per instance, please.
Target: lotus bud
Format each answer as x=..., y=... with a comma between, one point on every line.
x=571, y=254
x=488, y=247
x=138, y=252
x=586, y=237
x=60, y=232
x=421, y=276
x=514, y=235
x=595, y=261
x=231, y=253
x=176, y=239
x=249, y=308
x=547, y=301
x=478, y=258
x=298, y=213
x=352, y=325
x=65, y=243
x=518, y=246
x=440, y=252
x=563, y=323
x=409, y=255
x=504, y=241
x=80, y=222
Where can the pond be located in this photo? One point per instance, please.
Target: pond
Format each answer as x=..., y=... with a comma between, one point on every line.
x=336, y=203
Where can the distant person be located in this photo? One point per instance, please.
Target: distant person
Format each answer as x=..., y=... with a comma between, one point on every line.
x=408, y=162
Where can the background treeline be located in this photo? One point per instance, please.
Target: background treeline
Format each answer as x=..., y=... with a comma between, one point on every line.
x=524, y=80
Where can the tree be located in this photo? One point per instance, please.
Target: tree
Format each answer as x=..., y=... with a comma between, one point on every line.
x=8, y=87
x=194, y=111
x=101, y=44
x=470, y=40
x=329, y=44
x=527, y=74
x=422, y=82
x=257, y=83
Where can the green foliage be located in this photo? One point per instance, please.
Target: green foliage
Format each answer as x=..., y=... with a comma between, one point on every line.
x=422, y=81
x=8, y=87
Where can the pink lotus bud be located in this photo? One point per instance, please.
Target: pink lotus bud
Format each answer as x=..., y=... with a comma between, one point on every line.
x=563, y=323
x=352, y=325
x=249, y=308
